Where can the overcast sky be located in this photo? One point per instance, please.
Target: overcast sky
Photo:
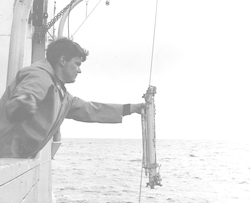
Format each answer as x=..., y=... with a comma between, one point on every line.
x=201, y=66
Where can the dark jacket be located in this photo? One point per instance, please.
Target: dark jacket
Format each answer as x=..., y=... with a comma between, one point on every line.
x=23, y=133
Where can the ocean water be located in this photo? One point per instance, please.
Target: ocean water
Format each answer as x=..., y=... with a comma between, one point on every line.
x=193, y=171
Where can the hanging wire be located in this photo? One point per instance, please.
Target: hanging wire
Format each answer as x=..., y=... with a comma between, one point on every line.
x=151, y=67
x=54, y=24
x=68, y=19
x=87, y=1
x=86, y=18
x=152, y=54
x=141, y=179
x=52, y=37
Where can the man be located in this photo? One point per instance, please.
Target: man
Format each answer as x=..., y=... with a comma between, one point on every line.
x=35, y=104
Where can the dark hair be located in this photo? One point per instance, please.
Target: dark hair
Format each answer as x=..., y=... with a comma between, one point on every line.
x=64, y=47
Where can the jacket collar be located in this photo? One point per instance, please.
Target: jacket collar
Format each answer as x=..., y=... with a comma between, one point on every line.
x=46, y=66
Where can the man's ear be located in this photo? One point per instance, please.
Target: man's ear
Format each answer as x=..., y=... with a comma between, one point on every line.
x=62, y=60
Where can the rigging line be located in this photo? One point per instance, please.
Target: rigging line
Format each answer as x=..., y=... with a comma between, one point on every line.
x=52, y=37
x=153, y=45
x=68, y=18
x=86, y=12
x=54, y=24
x=141, y=179
x=86, y=18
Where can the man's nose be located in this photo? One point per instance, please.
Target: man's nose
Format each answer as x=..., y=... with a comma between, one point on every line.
x=79, y=69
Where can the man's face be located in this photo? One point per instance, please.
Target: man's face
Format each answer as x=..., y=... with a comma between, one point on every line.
x=71, y=70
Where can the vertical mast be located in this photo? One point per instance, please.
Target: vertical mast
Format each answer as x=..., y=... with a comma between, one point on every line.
x=18, y=37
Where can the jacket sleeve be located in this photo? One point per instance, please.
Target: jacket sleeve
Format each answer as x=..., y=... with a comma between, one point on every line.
x=84, y=111
x=31, y=88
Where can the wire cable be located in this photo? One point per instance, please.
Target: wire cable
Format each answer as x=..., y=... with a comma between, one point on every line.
x=141, y=179
x=86, y=12
x=151, y=67
x=68, y=19
x=86, y=18
x=153, y=45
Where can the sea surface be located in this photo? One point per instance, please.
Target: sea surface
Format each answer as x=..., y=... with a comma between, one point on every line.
x=193, y=171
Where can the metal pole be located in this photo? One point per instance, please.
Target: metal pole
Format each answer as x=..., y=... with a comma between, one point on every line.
x=18, y=37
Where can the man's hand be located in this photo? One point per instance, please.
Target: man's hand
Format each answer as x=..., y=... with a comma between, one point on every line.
x=136, y=108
